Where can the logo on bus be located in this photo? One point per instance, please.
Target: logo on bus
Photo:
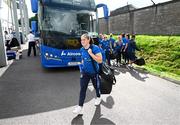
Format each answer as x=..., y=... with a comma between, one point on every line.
x=70, y=53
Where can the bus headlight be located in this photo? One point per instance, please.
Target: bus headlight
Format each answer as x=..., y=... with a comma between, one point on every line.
x=52, y=57
x=46, y=54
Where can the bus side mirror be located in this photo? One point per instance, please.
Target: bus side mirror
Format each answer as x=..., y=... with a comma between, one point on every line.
x=106, y=12
x=34, y=6
x=105, y=9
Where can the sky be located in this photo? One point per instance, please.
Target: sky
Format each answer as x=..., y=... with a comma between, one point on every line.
x=113, y=4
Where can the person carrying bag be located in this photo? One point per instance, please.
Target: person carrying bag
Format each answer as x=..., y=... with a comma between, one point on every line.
x=87, y=71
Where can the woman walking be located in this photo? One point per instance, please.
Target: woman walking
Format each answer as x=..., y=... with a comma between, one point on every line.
x=91, y=56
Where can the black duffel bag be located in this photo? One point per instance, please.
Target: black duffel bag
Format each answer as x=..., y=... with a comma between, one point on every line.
x=140, y=61
x=107, y=79
x=106, y=76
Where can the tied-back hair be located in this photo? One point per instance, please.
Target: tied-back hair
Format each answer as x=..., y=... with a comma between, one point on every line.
x=88, y=37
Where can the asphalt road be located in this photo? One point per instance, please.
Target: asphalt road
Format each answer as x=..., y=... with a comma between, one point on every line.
x=31, y=95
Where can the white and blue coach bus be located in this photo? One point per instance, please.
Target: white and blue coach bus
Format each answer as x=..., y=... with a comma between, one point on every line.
x=61, y=23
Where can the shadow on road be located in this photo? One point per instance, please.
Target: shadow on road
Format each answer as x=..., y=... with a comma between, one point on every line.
x=137, y=74
x=97, y=118
x=78, y=120
x=26, y=88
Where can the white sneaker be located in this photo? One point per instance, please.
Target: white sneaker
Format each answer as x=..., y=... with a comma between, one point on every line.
x=78, y=110
x=97, y=101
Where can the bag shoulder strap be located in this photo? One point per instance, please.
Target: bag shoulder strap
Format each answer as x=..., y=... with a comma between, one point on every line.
x=92, y=61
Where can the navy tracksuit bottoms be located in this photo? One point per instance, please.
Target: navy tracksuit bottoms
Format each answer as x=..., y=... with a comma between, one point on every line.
x=84, y=81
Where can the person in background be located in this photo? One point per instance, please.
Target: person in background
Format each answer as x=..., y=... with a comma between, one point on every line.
x=31, y=43
x=7, y=38
x=127, y=36
x=111, y=46
x=100, y=38
x=124, y=47
x=106, y=47
x=117, y=50
x=112, y=42
x=102, y=51
x=131, y=50
x=91, y=54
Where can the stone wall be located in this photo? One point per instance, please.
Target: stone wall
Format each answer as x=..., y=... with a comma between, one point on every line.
x=160, y=19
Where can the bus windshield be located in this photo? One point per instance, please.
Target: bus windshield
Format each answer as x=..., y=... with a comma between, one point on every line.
x=61, y=29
